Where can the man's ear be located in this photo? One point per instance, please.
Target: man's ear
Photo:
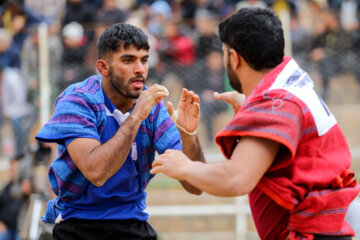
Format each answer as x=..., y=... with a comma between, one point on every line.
x=234, y=59
x=103, y=67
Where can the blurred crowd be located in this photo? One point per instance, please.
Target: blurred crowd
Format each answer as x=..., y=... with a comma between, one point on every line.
x=185, y=51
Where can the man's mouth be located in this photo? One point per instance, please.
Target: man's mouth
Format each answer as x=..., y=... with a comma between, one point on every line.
x=138, y=82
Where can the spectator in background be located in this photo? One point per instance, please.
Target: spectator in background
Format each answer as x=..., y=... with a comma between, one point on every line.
x=19, y=35
x=330, y=43
x=30, y=63
x=349, y=14
x=251, y=3
x=50, y=11
x=176, y=51
x=209, y=77
x=188, y=9
x=206, y=38
x=14, y=198
x=15, y=108
x=301, y=41
x=10, y=45
x=110, y=13
x=209, y=5
x=81, y=12
x=107, y=15
x=73, y=56
x=160, y=13
x=5, y=43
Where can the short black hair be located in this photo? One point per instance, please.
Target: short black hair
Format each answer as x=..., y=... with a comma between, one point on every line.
x=121, y=35
x=257, y=35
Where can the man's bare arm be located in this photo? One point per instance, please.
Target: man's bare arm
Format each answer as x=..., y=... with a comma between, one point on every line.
x=98, y=162
x=192, y=149
x=188, y=118
x=250, y=160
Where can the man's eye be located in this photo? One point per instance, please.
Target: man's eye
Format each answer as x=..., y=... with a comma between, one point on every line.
x=145, y=60
x=127, y=60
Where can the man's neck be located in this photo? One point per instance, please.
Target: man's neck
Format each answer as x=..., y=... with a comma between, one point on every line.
x=120, y=101
x=252, y=79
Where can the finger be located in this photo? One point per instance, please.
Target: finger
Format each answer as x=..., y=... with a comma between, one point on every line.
x=190, y=98
x=155, y=170
x=159, y=96
x=196, y=98
x=218, y=96
x=156, y=163
x=184, y=95
x=170, y=108
x=197, y=109
x=159, y=88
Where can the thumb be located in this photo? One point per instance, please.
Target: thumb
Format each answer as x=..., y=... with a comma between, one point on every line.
x=170, y=108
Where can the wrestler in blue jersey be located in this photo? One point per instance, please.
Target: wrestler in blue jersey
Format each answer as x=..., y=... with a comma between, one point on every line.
x=107, y=129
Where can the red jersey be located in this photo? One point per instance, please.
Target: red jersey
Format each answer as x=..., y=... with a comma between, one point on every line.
x=310, y=179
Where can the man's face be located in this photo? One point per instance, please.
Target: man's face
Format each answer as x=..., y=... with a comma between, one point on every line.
x=128, y=71
x=233, y=78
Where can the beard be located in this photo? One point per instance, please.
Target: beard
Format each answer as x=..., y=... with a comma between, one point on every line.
x=233, y=79
x=122, y=86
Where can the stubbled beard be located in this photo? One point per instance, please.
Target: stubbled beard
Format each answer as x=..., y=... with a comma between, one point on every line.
x=233, y=79
x=119, y=84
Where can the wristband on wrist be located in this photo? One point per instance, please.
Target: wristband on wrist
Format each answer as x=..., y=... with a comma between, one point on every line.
x=174, y=117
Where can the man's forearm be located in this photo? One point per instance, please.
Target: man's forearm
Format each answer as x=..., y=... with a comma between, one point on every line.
x=193, y=150
x=192, y=147
x=106, y=159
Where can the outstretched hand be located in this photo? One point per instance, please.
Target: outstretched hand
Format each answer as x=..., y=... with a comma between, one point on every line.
x=171, y=163
x=188, y=110
x=235, y=99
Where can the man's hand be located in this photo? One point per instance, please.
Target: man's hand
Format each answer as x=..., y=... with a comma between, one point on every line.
x=188, y=110
x=171, y=163
x=148, y=99
x=235, y=99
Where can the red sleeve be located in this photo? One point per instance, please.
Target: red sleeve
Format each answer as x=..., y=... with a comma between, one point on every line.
x=279, y=120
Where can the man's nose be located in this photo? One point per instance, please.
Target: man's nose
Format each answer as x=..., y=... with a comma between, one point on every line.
x=139, y=67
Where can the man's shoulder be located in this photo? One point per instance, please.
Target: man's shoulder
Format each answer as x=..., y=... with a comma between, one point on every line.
x=89, y=89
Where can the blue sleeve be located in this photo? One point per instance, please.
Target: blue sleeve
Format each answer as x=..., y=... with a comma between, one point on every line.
x=167, y=136
x=73, y=117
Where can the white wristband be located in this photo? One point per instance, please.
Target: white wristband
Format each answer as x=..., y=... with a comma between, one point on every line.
x=174, y=117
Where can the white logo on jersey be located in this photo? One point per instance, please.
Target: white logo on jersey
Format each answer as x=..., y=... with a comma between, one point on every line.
x=298, y=82
x=134, y=151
